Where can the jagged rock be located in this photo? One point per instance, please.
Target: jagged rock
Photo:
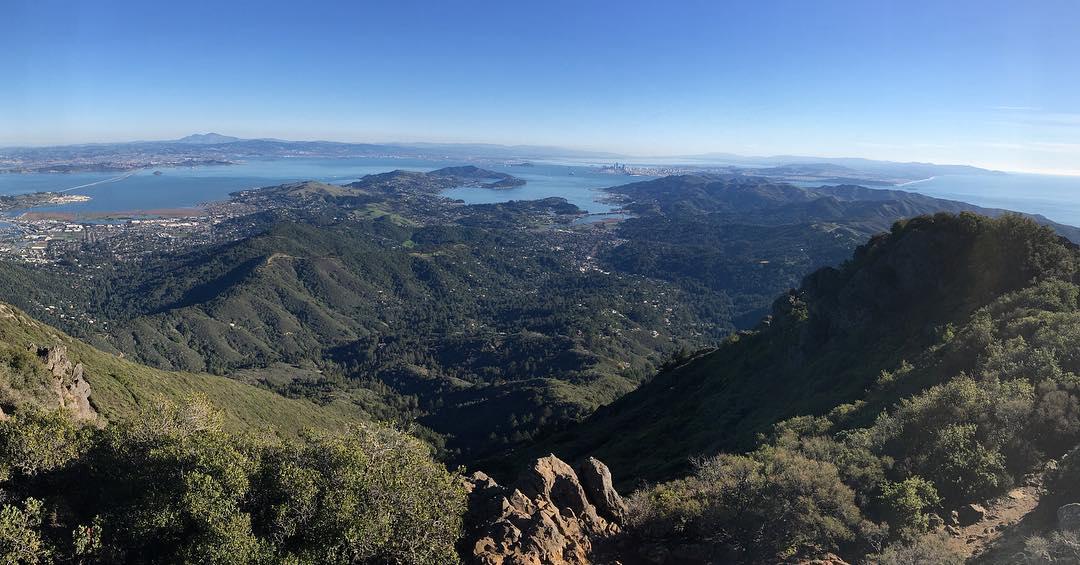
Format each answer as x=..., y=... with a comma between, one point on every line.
x=551, y=479
x=71, y=388
x=1069, y=517
x=954, y=518
x=547, y=518
x=970, y=514
x=596, y=479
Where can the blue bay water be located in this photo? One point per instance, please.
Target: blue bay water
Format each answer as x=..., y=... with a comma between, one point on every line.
x=191, y=186
x=1056, y=197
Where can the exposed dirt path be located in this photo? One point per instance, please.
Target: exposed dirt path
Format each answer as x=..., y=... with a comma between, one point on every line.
x=1009, y=520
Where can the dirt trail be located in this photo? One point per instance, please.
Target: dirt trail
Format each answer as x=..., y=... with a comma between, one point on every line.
x=1009, y=520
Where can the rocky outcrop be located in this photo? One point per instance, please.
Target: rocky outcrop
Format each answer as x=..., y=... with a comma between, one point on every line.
x=596, y=479
x=970, y=514
x=71, y=388
x=547, y=517
x=1069, y=517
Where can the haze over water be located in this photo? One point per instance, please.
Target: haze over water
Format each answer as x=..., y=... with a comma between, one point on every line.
x=1056, y=197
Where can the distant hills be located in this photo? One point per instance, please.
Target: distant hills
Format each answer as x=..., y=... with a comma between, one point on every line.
x=220, y=146
x=751, y=200
x=840, y=164
x=207, y=139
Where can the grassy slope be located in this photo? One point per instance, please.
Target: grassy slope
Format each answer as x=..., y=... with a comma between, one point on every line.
x=119, y=387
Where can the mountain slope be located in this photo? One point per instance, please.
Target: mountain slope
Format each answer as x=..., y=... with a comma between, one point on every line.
x=760, y=201
x=827, y=344
x=118, y=387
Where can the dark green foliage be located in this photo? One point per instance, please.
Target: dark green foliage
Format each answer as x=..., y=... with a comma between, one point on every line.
x=408, y=322
x=770, y=505
x=828, y=343
x=173, y=486
x=928, y=372
x=418, y=308
x=906, y=504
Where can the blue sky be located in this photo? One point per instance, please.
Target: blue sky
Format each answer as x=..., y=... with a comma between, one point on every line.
x=983, y=82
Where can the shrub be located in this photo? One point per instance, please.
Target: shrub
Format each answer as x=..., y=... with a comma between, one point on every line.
x=1059, y=547
x=371, y=495
x=173, y=486
x=33, y=442
x=928, y=549
x=20, y=540
x=772, y=504
x=905, y=504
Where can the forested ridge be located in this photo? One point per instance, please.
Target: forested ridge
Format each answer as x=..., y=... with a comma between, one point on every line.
x=487, y=323
x=934, y=369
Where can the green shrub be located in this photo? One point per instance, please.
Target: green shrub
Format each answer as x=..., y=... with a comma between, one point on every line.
x=905, y=505
x=371, y=495
x=20, y=538
x=772, y=504
x=33, y=442
x=173, y=486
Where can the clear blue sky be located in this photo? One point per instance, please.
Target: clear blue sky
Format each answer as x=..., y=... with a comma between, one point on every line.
x=984, y=82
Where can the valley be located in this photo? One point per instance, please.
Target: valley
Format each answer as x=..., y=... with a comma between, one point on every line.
x=545, y=283
x=730, y=324
x=486, y=323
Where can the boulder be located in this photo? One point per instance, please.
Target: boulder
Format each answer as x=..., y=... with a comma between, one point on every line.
x=1069, y=517
x=546, y=518
x=69, y=384
x=551, y=480
x=596, y=479
x=970, y=514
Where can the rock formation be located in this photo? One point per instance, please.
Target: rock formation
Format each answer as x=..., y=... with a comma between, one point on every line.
x=548, y=517
x=72, y=390
x=596, y=479
x=970, y=514
x=1069, y=517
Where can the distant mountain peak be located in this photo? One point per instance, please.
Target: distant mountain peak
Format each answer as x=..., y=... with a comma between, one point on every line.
x=207, y=139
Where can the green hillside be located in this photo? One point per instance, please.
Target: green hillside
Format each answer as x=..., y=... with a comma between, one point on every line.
x=936, y=370
x=487, y=323
x=880, y=327
x=120, y=388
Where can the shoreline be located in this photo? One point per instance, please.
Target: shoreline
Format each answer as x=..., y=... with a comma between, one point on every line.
x=185, y=212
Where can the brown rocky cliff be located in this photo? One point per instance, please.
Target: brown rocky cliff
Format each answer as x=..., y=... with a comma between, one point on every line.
x=550, y=516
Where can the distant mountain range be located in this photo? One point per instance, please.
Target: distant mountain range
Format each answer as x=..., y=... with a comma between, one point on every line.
x=857, y=163
x=219, y=146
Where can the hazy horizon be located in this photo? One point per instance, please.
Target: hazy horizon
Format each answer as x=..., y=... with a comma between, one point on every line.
x=988, y=84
